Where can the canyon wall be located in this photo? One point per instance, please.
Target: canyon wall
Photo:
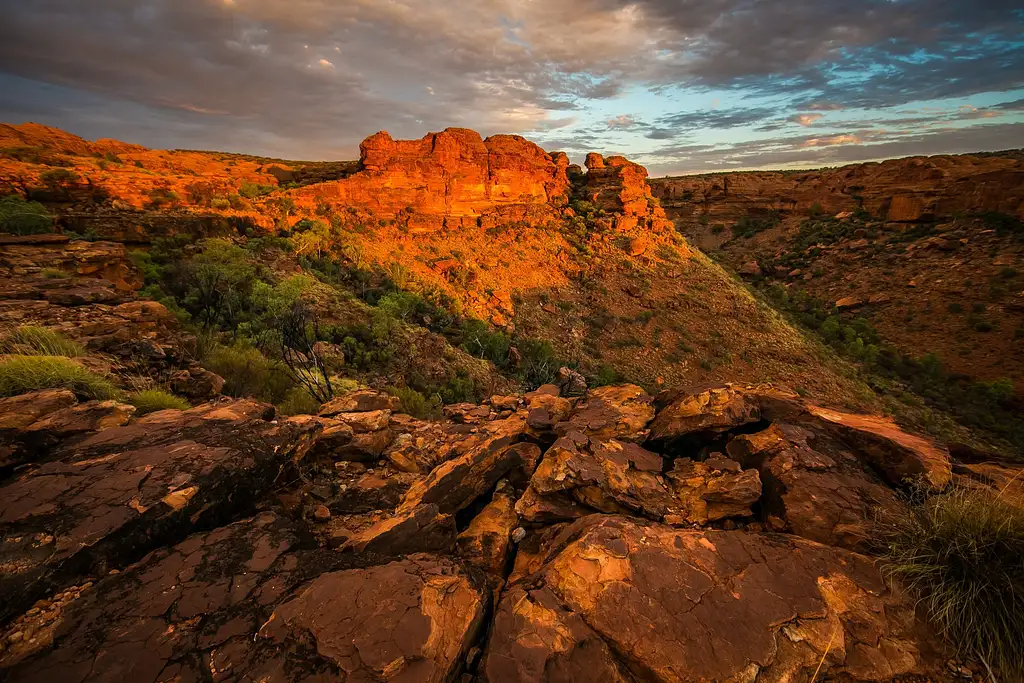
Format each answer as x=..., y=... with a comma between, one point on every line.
x=452, y=174
x=917, y=189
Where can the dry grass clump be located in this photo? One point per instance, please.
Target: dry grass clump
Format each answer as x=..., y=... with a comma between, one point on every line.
x=962, y=553
x=23, y=374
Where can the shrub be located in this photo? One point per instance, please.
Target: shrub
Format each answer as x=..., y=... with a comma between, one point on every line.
x=299, y=401
x=22, y=374
x=254, y=190
x=416, y=404
x=247, y=372
x=961, y=553
x=40, y=341
x=160, y=196
x=20, y=217
x=152, y=400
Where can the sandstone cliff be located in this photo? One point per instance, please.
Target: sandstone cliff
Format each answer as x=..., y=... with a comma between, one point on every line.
x=900, y=190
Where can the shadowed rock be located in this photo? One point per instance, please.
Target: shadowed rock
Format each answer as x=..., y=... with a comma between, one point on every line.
x=819, y=489
x=674, y=605
x=120, y=492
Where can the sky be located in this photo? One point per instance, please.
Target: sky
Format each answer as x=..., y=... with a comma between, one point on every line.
x=681, y=86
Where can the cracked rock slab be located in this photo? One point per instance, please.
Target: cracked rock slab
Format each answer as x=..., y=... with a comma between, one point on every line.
x=613, y=412
x=673, y=605
x=245, y=603
x=412, y=620
x=120, y=492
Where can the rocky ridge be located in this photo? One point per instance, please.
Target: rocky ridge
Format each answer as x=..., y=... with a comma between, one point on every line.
x=708, y=533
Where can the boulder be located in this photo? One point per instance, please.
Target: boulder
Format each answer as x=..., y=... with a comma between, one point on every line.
x=359, y=401
x=713, y=490
x=613, y=412
x=419, y=529
x=610, y=476
x=487, y=541
x=487, y=457
x=18, y=412
x=244, y=602
x=899, y=455
x=571, y=382
x=111, y=497
x=818, y=488
x=365, y=447
x=412, y=620
x=197, y=384
x=366, y=421
x=707, y=410
x=92, y=416
x=616, y=596
x=333, y=438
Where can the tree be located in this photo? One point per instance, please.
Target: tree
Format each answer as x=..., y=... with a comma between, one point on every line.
x=300, y=332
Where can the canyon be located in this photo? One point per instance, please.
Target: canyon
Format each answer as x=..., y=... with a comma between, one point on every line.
x=466, y=411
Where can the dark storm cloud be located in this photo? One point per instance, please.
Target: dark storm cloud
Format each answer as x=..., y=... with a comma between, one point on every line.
x=311, y=78
x=897, y=49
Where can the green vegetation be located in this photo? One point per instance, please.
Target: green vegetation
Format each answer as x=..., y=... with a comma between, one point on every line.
x=416, y=404
x=152, y=400
x=255, y=190
x=988, y=406
x=40, y=341
x=753, y=223
x=1003, y=224
x=162, y=197
x=961, y=552
x=22, y=374
x=21, y=217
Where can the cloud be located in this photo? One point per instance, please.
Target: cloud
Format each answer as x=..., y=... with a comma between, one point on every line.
x=805, y=119
x=828, y=141
x=237, y=74
x=795, y=151
x=623, y=122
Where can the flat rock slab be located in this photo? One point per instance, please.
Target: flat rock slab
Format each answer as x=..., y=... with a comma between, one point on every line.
x=614, y=412
x=899, y=455
x=616, y=595
x=243, y=603
x=817, y=487
x=119, y=493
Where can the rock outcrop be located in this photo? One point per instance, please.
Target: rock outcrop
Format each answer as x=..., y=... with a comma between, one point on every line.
x=901, y=190
x=449, y=178
x=710, y=534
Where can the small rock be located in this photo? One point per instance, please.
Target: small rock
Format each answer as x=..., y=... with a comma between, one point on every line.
x=15, y=637
x=518, y=535
x=321, y=513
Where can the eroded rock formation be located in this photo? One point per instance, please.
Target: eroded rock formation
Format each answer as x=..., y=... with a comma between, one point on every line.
x=544, y=539
x=900, y=190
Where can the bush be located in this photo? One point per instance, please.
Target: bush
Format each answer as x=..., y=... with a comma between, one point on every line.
x=152, y=400
x=20, y=217
x=416, y=404
x=254, y=190
x=299, y=401
x=22, y=374
x=40, y=341
x=247, y=372
x=963, y=553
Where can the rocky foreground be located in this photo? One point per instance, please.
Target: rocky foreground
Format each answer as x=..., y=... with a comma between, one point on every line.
x=718, y=533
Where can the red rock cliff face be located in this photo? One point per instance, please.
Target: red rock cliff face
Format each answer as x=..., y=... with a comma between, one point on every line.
x=620, y=186
x=453, y=173
x=901, y=190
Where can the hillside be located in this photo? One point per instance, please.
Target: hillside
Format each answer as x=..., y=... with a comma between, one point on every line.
x=498, y=230
x=462, y=410
x=930, y=250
